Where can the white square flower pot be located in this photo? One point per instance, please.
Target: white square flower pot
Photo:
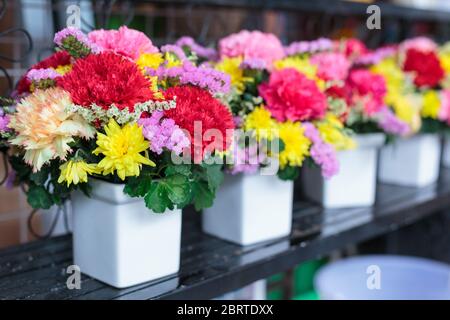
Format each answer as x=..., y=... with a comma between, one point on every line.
x=119, y=241
x=251, y=208
x=411, y=161
x=446, y=152
x=355, y=183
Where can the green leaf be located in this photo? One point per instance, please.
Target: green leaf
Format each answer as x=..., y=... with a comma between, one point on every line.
x=288, y=173
x=137, y=186
x=156, y=199
x=183, y=169
x=214, y=175
x=38, y=197
x=203, y=195
x=177, y=188
x=40, y=177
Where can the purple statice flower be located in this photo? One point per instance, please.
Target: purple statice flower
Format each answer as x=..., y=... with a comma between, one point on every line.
x=4, y=121
x=82, y=46
x=70, y=31
x=299, y=47
x=163, y=133
x=203, y=77
x=10, y=180
x=36, y=75
x=323, y=154
x=202, y=52
x=391, y=124
x=376, y=56
x=175, y=50
x=253, y=63
x=245, y=160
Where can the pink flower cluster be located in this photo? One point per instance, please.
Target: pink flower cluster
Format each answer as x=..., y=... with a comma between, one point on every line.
x=203, y=76
x=331, y=66
x=4, y=121
x=369, y=88
x=78, y=35
x=391, y=124
x=444, y=111
x=36, y=75
x=176, y=50
x=163, y=134
x=200, y=51
x=127, y=42
x=253, y=63
x=252, y=44
x=300, y=47
x=322, y=153
x=246, y=160
x=374, y=57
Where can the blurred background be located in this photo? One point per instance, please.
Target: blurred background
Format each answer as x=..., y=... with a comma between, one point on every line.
x=26, y=36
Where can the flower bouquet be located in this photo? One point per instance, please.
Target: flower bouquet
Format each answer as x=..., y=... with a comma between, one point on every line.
x=357, y=95
x=119, y=125
x=414, y=160
x=444, y=57
x=281, y=115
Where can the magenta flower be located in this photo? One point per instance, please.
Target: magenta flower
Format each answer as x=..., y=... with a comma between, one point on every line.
x=36, y=75
x=300, y=47
x=200, y=51
x=391, y=124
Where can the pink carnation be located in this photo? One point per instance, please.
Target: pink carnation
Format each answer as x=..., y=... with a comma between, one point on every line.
x=127, y=42
x=331, y=66
x=369, y=88
x=444, y=111
x=252, y=44
x=423, y=44
x=290, y=95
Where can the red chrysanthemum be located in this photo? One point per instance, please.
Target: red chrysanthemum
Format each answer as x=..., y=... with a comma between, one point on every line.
x=290, y=95
x=426, y=66
x=195, y=105
x=60, y=58
x=106, y=79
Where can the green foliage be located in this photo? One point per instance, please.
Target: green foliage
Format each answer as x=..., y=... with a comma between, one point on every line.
x=38, y=197
x=289, y=173
x=177, y=186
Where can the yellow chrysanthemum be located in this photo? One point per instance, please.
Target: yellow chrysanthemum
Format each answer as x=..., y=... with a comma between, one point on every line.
x=45, y=128
x=153, y=61
x=406, y=109
x=260, y=121
x=76, y=171
x=63, y=69
x=332, y=132
x=431, y=104
x=302, y=65
x=296, y=145
x=231, y=67
x=445, y=61
x=121, y=148
x=392, y=73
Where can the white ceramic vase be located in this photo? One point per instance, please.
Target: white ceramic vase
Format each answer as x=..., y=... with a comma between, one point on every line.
x=446, y=152
x=355, y=184
x=250, y=208
x=119, y=241
x=412, y=161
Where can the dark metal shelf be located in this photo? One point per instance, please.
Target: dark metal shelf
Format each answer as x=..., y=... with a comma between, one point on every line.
x=337, y=7
x=210, y=266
